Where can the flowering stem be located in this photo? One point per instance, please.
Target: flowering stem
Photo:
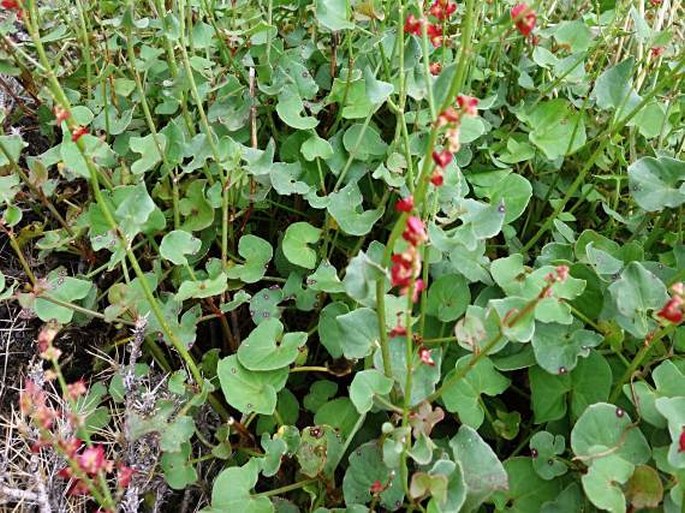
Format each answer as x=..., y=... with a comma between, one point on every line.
x=169, y=334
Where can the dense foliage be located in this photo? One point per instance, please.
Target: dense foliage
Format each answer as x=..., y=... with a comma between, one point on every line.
x=347, y=255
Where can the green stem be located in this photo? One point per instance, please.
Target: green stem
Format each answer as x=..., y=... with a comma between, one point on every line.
x=638, y=359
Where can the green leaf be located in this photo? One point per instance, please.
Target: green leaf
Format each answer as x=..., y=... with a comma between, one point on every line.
x=150, y=154
x=673, y=409
x=340, y=414
x=589, y=383
x=197, y=211
x=485, y=474
x=63, y=288
x=176, y=433
x=574, y=34
x=289, y=109
x=178, y=472
x=557, y=129
x=367, y=384
x=333, y=14
x=330, y=330
x=316, y=147
x=9, y=186
x=602, y=482
x=632, y=297
x=177, y=244
x=514, y=192
x=614, y=90
x=448, y=297
x=568, y=501
x=605, y=425
x=267, y=349
x=295, y=244
x=325, y=279
x=364, y=142
x=264, y=304
x=250, y=391
x=346, y=209
x=257, y=253
x=360, y=332
x=545, y=447
x=527, y=491
x=13, y=144
x=558, y=346
x=232, y=490
x=320, y=447
x=657, y=183
x=365, y=468
x=202, y=288
x=319, y=394
x=362, y=272
x=376, y=91
x=464, y=396
x=134, y=209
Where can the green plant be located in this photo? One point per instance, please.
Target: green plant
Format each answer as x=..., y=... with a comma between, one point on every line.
x=375, y=256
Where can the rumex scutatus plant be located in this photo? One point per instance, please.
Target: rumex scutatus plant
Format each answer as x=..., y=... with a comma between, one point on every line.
x=346, y=255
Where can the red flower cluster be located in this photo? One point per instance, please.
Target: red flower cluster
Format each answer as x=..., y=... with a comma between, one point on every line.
x=672, y=311
x=451, y=118
x=406, y=266
x=78, y=132
x=405, y=204
x=435, y=68
x=681, y=441
x=443, y=9
x=12, y=5
x=61, y=114
x=440, y=9
x=524, y=18
x=426, y=357
x=33, y=403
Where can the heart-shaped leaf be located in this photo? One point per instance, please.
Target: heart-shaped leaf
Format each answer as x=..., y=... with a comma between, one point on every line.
x=267, y=348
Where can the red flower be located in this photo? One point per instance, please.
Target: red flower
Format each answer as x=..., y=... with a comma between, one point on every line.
x=78, y=132
x=401, y=272
x=443, y=9
x=435, y=68
x=405, y=204
x=655, y=3
x=468, y=104
x=412, y=25
x=442, y=158
x=124, y=476
x=437, y=178
x=376, y=488
x=448, y=116
x=398, y=331
x=672, y=310
x=61, y=114
x=76, y=389
x=425, y=356
x=434, y=35
x=10, y=4
x=93, y=460
x=524, y=18
x=657, y=51
x=415, y=232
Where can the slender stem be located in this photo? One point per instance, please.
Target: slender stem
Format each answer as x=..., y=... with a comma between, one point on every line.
x=20, y=255
x=286, y=488
x=639, y=358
